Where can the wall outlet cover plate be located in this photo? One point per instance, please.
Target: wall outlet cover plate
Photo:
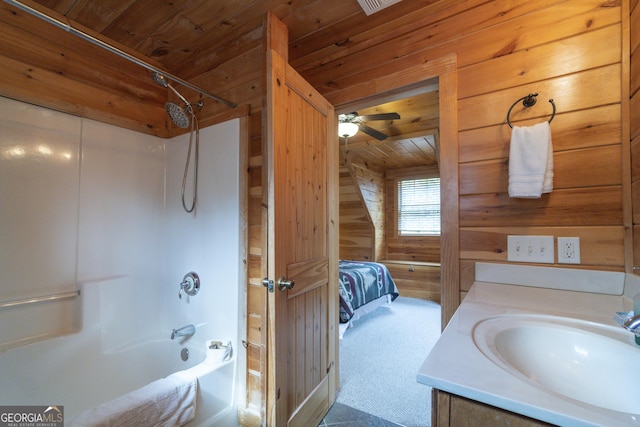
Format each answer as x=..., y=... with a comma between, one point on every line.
x=568, y=250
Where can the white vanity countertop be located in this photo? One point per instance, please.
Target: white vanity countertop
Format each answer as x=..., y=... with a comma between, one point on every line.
x=457, y=366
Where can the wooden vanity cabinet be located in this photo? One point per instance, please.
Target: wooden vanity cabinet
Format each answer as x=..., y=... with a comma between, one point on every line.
x=450, y=410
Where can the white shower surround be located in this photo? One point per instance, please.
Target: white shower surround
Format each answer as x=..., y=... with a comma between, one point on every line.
x=133, y=242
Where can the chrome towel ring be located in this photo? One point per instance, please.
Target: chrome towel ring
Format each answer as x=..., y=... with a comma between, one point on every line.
x=529, y=101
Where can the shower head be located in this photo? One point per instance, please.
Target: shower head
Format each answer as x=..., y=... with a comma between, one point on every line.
x=178, y=114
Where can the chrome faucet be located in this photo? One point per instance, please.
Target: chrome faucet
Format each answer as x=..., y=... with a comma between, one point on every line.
x=633, y=324
x=185, y=331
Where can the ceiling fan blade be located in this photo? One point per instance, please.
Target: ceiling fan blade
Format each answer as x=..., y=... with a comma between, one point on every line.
x=372, y=132
x=382, y=116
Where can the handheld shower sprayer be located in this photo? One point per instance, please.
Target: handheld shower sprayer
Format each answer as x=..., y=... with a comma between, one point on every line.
x=178, y=114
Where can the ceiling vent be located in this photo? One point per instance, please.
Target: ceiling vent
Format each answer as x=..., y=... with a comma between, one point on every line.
x=373, y=6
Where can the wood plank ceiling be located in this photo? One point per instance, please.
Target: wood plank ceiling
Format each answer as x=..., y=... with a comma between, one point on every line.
x=216, y=45
x=412, y=140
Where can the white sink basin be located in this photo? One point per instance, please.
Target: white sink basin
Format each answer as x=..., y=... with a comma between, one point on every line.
x=588, y=362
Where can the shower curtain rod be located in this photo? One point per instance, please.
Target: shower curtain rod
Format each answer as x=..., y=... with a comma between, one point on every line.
x=69, y=28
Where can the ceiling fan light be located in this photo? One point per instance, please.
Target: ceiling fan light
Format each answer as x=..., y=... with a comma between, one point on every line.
x=347, y=130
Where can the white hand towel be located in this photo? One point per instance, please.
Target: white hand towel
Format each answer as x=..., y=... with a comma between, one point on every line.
x=531, y=161
x=166, y=402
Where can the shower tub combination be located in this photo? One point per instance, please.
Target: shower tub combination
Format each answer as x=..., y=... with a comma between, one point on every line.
x=127, y=304
x=84, y=379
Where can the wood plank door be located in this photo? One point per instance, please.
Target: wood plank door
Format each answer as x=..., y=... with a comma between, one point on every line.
x=302, y=232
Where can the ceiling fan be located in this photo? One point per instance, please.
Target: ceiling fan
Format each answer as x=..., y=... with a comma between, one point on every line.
x=349, y=124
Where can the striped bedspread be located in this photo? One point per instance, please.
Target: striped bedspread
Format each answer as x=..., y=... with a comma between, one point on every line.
x=362, y=282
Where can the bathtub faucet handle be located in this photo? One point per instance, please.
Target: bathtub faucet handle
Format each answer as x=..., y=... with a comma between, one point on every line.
x=190, y=284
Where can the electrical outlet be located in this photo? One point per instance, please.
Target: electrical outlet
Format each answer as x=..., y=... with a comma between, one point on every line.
x=530, y=249
x=569, y=250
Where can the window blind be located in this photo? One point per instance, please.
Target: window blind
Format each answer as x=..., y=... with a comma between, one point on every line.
x=419, y=206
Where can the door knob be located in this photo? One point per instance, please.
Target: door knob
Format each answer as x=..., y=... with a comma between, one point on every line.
x=284, y=284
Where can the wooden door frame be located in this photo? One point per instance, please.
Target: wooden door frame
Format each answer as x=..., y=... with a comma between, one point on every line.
x=400, y=85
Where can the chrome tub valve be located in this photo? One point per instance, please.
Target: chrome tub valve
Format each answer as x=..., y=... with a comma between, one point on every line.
x=190, y=284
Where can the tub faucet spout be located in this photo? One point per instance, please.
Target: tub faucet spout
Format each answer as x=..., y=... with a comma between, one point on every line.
x=633, y=324
x=185, y=331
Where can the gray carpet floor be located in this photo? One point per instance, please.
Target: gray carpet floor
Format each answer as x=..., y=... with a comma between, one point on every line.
x=380, y=357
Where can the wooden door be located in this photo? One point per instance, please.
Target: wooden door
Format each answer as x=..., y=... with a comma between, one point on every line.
x=302, y=232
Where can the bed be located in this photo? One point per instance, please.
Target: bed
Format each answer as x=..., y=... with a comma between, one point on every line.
x=364, y=286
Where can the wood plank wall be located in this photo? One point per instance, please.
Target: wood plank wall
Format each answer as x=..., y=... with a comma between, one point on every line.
x=45, y=63
x=566, y=50
x=256, y=340
x=634, y=120
x=357, y=232
x=372, y=187
x=561, y=53
x=255, y=411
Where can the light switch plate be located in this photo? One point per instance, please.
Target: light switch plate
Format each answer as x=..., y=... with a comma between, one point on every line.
x=537, y=249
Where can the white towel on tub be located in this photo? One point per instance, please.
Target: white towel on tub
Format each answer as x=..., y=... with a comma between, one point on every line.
x=530, y=161
x=170, y=401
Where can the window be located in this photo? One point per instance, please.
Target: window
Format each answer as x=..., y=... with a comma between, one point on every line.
x=419, y=207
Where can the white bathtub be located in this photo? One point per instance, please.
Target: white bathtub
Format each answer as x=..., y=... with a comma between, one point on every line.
x=216, y=391
x=77, y=376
